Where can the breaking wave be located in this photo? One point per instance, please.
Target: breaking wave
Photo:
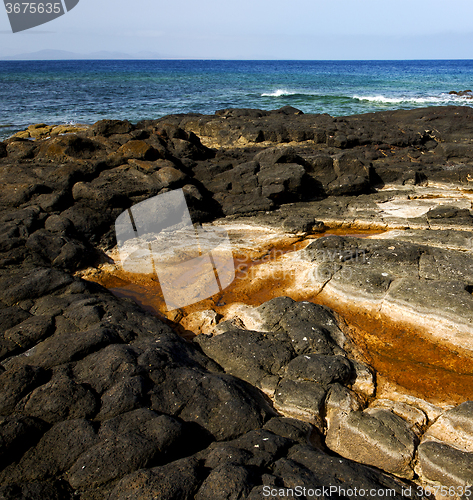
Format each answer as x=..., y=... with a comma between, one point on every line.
x=442, y=98
x=279, y=93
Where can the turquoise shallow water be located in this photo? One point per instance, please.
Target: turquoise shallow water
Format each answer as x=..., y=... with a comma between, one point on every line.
x=87, y=91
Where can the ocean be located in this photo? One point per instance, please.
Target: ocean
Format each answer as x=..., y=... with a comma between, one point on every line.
x=61, y=92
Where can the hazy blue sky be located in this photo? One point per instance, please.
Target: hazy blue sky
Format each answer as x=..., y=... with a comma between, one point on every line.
x=257, y=29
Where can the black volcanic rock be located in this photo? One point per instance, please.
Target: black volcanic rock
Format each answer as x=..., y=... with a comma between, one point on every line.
x=17, y=434
x=102, y=400
x=57, y=450
x=179, y=479
x=462, y=93
x=251, y=356
x=106, y=128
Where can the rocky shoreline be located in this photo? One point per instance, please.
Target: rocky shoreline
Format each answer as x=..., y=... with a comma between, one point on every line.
x=346, y=362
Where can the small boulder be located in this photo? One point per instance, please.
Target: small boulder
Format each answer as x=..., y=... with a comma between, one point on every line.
x=454, y=427
x=305, y=465
x=299, y=224
x=252, y=356
x=225, y=406
x=320, y=368
x=288, y=110
x=231, y=482
x=35, y=490
x=30, y=331
x=126, y=395
x=126, y=443
x=445, y=465
x=104, y=369
x=281, y=182
x=68, y=146
x=290, y=428
x=57, y=450
x=301, y=399
x=39, y=130
x=58, y=224
x=66, y=346
x=17, y=435
x=270, y=156
x=179, y=479
x=200, y=322
x=106, y=128
x=21, y=149
x=138, y=150
x=111, y=459
x=374, y=437
x=59, y=399
x=169, y=177
x=31, y=284
x=16, y=383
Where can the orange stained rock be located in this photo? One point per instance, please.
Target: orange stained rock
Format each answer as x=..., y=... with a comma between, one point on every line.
x=407, y=356
x=401, y=353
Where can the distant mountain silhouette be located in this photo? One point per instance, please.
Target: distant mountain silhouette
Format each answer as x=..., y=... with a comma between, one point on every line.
x=45, y=55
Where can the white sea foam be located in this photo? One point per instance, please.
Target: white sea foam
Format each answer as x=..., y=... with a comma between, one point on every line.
x=278, y=93
x=442, y=98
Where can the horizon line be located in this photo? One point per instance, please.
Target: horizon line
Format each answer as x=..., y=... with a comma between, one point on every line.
x=12, y=59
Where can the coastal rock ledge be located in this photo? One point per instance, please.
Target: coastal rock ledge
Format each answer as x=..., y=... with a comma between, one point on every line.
x=352, y=373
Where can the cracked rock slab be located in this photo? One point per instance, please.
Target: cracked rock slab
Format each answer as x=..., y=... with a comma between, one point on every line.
x=409, y=305
x=454, y=427
x=445, y=465
x=374, y=437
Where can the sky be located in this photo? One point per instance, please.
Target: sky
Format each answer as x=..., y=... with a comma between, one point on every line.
x=255, y=29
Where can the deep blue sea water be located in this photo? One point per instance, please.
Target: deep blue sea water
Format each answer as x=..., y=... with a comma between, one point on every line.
x=87, y=91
